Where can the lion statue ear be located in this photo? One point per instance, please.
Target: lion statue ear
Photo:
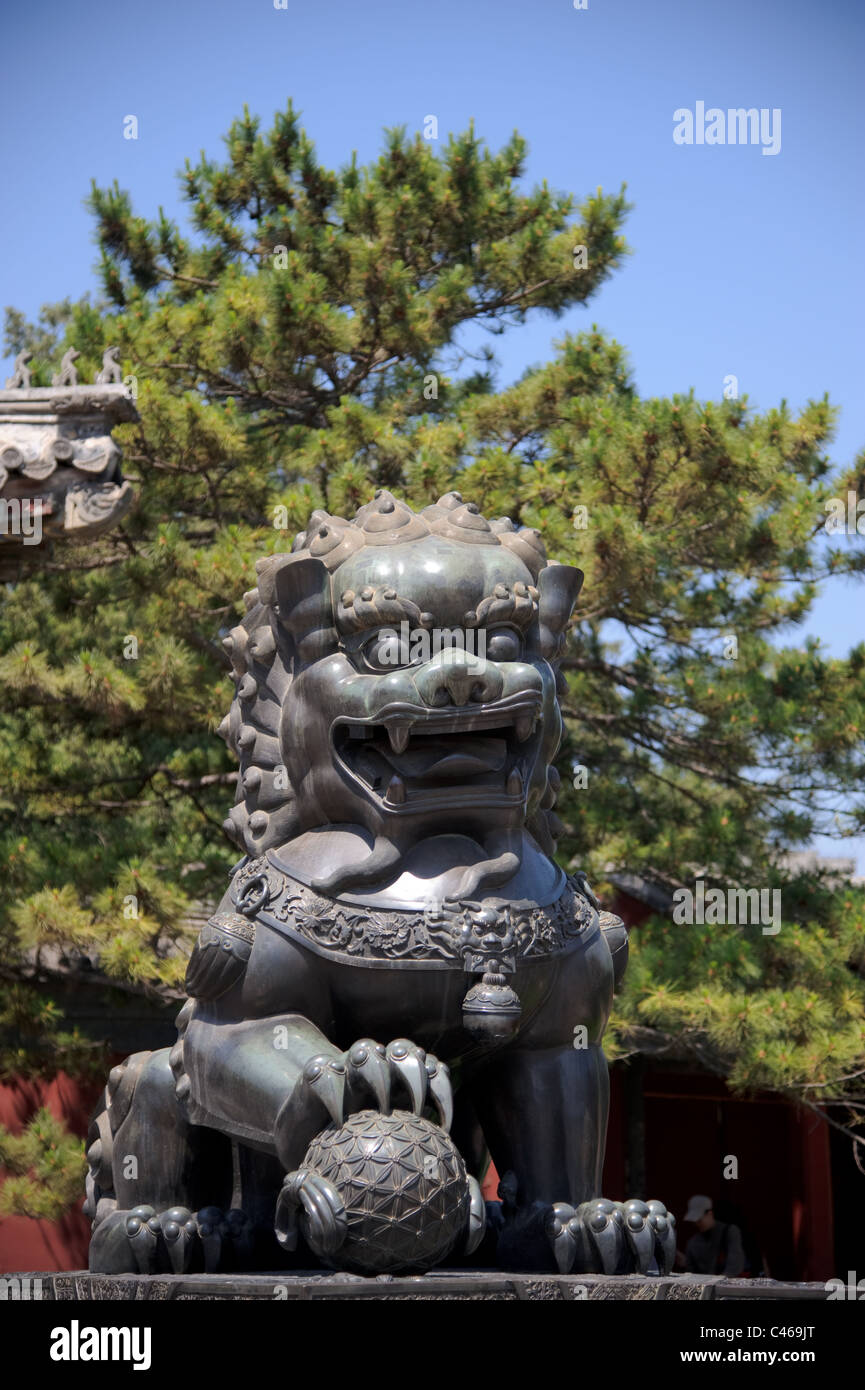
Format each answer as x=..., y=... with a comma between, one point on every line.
x=305, y=606
x=559, y=587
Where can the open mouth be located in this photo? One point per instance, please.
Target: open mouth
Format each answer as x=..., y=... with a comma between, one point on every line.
x=405, y=755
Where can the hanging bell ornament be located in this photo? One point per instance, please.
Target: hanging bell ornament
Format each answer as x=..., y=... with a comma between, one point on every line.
x=491, y=1009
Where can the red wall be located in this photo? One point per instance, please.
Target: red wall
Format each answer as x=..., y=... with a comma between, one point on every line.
x=783, y=1188
x=46, y=1245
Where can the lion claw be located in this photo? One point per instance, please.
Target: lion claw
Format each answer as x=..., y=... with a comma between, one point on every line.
x=325, y=1079
x=369, y=1076
x=607, y=1237
x=179, y=1231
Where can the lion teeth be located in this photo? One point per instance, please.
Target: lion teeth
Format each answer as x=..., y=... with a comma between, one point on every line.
x=514, y=785
x=396, y=791
x=398, y=735
x=525, y=724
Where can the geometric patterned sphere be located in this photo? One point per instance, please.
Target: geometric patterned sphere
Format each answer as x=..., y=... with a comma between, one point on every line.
x=404, y=1187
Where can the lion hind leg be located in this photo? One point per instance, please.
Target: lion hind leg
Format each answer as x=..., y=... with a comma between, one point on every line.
x=149, y=1170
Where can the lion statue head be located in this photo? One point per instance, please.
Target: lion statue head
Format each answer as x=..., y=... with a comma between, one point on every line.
x=397, y=674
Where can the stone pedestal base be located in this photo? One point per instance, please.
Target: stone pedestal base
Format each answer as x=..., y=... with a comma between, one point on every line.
x=459, y=1284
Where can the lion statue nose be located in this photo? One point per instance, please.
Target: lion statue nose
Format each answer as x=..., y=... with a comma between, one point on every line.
x=457, y=677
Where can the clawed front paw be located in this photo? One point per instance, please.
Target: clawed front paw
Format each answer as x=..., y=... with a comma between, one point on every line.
x=176, y=1239
x=369, y=1075
x=606, y=1237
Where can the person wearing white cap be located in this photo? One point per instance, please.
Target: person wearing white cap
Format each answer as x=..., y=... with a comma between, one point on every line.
x=715, y=1247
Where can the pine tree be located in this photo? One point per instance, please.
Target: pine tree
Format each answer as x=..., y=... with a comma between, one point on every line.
x=307, y=342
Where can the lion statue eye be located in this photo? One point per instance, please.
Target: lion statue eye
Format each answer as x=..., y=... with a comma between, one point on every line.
x=386, y=651
x=504, y=645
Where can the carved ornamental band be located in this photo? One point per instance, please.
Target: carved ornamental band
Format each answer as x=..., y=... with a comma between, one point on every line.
x=464, y=935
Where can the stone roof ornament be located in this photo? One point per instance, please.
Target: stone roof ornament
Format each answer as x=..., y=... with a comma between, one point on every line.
x=20, y=377
x=59, y=465
x=68, y=375
x=110, y=368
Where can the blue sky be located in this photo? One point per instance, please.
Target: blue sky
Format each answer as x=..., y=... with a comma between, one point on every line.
x=744, y=263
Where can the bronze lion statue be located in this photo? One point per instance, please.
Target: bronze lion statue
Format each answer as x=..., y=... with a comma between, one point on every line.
x=400, y=980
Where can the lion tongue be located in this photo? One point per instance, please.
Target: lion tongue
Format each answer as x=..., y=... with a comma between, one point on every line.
x=450, y=758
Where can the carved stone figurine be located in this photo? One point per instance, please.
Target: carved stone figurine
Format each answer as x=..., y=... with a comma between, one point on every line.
x=110, y=371
x=68, y=373
x=397, y=914
x=20, y=378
